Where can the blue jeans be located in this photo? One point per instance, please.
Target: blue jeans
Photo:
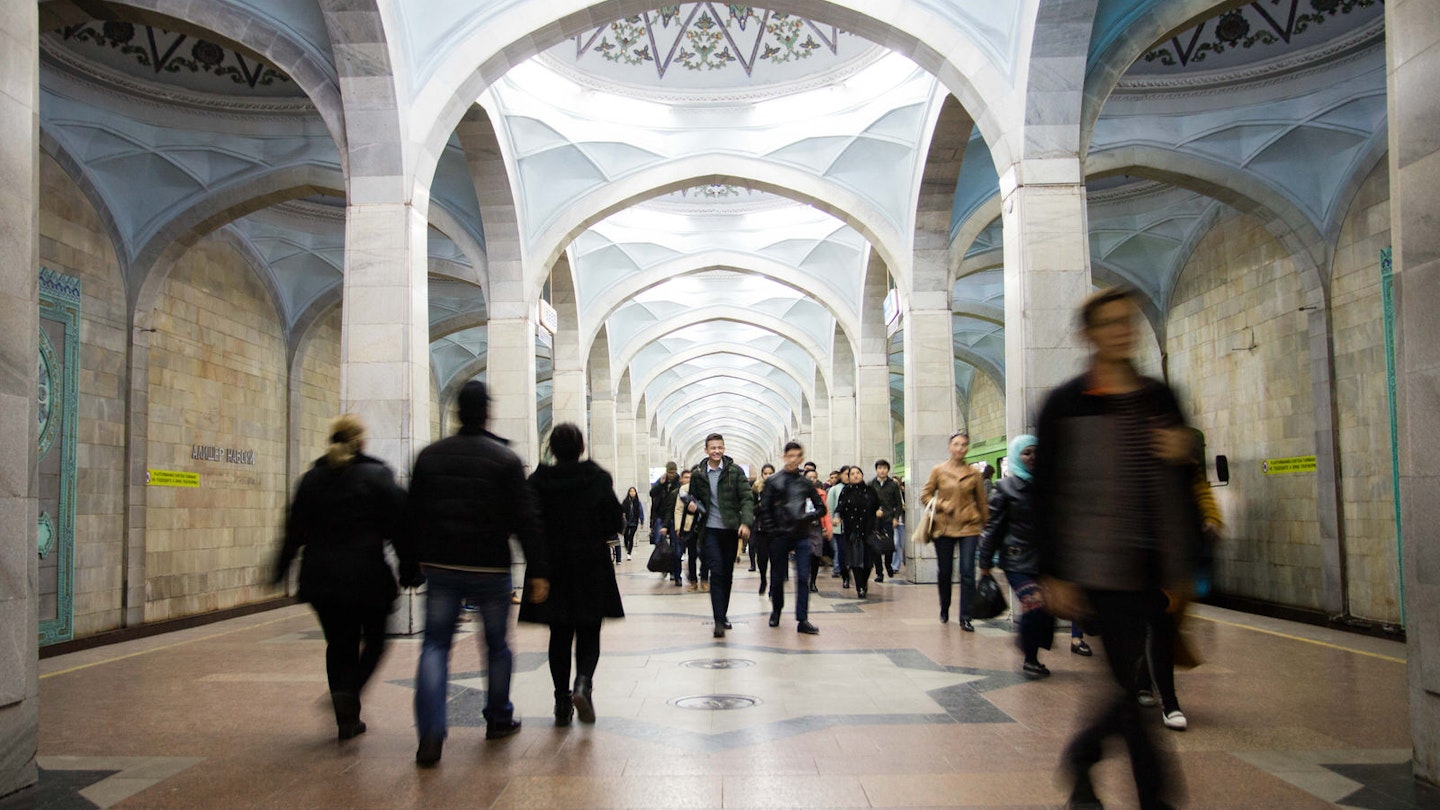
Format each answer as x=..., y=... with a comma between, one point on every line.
x=945, y=558
x=839, y=563
x=446, y=589
x=719, y=549
x=780, y=548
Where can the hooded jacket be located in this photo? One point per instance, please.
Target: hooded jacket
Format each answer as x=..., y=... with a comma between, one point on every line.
x=736, y=502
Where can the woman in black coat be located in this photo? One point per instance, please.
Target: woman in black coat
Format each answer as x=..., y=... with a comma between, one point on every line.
x=856, y=507
x=578, y=505
x=634, y=518
x=347, y=504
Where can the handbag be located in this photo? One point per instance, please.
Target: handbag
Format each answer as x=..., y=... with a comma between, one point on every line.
x=925, y=524
x=882, y=540
x=989, y=599
x=662, y=559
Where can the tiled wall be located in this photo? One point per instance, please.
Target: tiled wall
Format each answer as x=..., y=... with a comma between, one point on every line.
x=985, y=414
x=1238, y=352
x=217, y=377
x=73, y=241
x=1372, y=567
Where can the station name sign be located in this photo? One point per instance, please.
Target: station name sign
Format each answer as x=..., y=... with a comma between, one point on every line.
x=227, y=455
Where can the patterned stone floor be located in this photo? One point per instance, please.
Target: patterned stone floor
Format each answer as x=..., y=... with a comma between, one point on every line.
x=885, y=708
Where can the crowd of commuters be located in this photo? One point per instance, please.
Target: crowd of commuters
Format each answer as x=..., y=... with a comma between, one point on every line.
x=1103, y=518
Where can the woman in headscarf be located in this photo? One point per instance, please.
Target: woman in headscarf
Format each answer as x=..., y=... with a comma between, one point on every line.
x=1011, y=529
x=346, y=506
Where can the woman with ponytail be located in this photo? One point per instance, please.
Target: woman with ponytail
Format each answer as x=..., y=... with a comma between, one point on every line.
x=345, y=508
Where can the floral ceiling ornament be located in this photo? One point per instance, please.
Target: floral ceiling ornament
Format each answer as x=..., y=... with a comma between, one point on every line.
x=162, y=51
x=1266, y=22
x=708, y=36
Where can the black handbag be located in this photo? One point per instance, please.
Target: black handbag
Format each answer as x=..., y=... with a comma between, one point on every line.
x=882, y=541
x=989, y=598
x=662, y=559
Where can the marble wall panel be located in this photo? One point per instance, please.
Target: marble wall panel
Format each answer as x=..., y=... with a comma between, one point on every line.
x=318, y=388
x=985, y=414
x=217, y=377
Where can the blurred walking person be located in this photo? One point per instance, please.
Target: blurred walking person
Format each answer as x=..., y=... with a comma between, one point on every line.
x=857, y=507
x=578, y=507
x=345, y=508
x=790, y=510
x=1117, y=523
x=468, y=495
x=634, y=512
x=759, y=542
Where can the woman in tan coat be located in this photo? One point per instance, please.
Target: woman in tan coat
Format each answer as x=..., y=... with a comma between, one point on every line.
x=961, y=512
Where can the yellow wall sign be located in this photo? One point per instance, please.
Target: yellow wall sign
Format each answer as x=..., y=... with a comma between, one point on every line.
x=171, y=478
x=1281, y=466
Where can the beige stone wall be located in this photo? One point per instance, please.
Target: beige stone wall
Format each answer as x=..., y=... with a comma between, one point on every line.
x=1241, y=288
x=318, y=384
x=1362, y=404
x=73, y=241
x=1147, y=350
x=217, y=377
x=985, y=416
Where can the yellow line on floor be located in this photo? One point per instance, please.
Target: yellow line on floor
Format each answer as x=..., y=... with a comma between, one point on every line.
x=79, y=667
x=1390, y=658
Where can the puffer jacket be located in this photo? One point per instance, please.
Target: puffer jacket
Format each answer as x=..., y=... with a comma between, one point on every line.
x=1011, y=529
x=467, y=496
x=962, y=510
x=342, y=515
x=736, y=503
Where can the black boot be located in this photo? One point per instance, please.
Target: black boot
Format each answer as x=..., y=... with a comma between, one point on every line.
x=347, y=714
x=584, y=705
x=564, y=708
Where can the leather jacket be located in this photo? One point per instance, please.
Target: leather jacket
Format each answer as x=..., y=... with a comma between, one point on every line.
x=781, y=512
x=1011, y=528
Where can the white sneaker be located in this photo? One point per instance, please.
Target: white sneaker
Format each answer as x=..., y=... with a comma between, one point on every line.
x=628, y=557
x=1176, y=720
x=1146, y=698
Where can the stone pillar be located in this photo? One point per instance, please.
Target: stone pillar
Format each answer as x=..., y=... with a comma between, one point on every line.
x=1413, y=65
x=625, y=452
x=872, y=387
x=19, y=350
x=642, y=451
x=930, y=412
x=510, y=376
x=568, y=404
x=844, y=443
x=602, y=433
x=385, y=327
x=1047, y=275
x=818, y=450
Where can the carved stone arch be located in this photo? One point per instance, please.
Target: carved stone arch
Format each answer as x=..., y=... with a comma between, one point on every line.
x=239, y=27
x=53, y=147
x=1376, y=150
x=969, y=231
x=1117, y=51
x=983, y=364
x=675, y=175
x=796, y=403
x=929, y=38
x=1053, y=78
x=217, y=209
x=806, y=382
x=618, y=295
x=444, y=221
x=758, y=416
x=626, y=353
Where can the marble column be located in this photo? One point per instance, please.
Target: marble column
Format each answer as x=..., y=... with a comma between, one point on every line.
x=569, y=378
x=625, y=475
x=19, y=348
x=510, y=375
x=818, y=450
x=844, y=441
x=602, y=433
x=930, y=412
x=1412, y=49
x=1047, y=275
x=872, y=388
x=385, y=351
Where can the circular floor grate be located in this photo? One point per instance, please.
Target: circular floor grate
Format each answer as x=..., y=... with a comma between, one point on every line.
x=718, y=663
x=715, y=703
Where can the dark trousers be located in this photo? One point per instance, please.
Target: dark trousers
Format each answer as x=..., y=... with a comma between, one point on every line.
x=1160, y=657
x=719, y=549
x=780, y=549
x=354, y=642
x=585, y=640
x=630, y=538
x=760, y=554
x=1120, y=619
x=945, y=557
x=1037, y=626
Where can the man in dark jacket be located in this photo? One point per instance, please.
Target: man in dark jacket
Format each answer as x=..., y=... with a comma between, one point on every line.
x=467, y=497
x=892, y=506
x=723, y=487
x=1115, y=523
x=789, y=507
x=662, y=500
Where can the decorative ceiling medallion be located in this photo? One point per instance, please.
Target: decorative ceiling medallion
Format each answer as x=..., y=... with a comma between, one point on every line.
x=703, y=37
x=1264, y=23
x=164, y=52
